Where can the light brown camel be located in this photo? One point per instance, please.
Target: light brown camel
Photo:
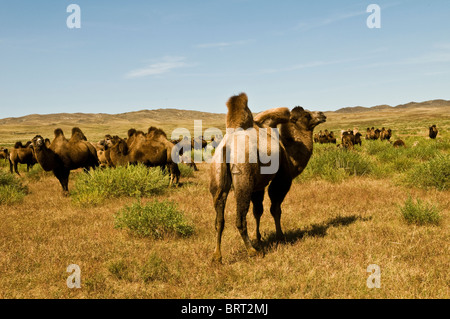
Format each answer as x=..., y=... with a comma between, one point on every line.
x=21, y=154
x=291, y=151
x=63, y=155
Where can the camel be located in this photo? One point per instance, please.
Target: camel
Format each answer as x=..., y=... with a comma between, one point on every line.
x=399, y=143
x=4, y=154
x=433, y=131
x=63, y=155
x=151, y=149
x=183, y=144
x=21, y=154
x=385, y=134
x=249, y=179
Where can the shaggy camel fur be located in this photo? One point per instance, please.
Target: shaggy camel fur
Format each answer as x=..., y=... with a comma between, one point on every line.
x=21, y=154
x=151, y=149
x=292, y=151
x=433, y=131
x=63, y=155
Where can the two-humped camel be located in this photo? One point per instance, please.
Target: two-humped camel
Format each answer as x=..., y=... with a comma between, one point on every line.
x=289, y=156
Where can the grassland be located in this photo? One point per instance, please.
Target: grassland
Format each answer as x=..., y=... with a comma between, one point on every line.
x=336, y=225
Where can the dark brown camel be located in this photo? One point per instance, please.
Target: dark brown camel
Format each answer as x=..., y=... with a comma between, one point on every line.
x=64, y=155
x=151, y=149
x=291, y=152
x=433, y=131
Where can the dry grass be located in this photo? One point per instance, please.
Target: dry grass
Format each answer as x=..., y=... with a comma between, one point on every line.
x=334, y=232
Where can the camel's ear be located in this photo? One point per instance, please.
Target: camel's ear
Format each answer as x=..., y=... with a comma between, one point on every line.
x=273, y=117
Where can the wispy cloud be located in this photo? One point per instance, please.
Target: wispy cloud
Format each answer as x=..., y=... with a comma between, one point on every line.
x=221, y=44
x=313, y=64
x=166, y=65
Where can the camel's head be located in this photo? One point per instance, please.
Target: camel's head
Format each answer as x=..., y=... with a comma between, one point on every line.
x=304, y=119
x=38, y=142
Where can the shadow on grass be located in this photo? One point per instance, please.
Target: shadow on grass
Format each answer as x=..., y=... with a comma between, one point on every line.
x=315, y=230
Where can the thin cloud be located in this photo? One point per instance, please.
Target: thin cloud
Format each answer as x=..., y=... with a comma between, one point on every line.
x=220, y=44
x=166, y=65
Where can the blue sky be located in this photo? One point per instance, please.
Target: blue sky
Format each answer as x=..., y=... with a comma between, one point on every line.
x=193, y=54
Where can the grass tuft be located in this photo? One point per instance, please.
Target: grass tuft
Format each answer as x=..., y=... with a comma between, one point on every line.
x=420, y=213
x=12, y=190
x=155, y=219
x=132, y=181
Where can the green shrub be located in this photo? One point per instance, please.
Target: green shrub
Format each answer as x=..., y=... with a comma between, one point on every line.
x=131, y=181
x=156, y=220
x=432, y=174
x=334, y=164
x=420, y=213
x=11, y=189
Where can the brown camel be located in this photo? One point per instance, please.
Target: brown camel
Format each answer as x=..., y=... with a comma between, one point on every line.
x=151, y=149
x=399, y=143
x=21, y=154
x=433, y=131
x=63, y=155
x=291, y=151
x=4, y=154
x=385, y=134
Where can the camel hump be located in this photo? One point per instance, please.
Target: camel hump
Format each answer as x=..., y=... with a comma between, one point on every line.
x=273, y=117
x=239, y=115
x=156, y=132
x=78, y=134
x=18, y=145
x=131, y=132
x=59, y=132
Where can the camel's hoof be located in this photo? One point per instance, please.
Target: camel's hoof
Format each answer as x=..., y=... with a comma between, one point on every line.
x=252, y=252
x=65, y=194
x=216, y=260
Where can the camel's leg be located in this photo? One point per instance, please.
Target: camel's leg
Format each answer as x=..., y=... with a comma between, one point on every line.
x=243, y=199
x=63, y=178
x=219, y=206
x=28, y=168
x=220, y=186
x=258, y=209
x=277, y=192
x=16, y=169
x=11, y=167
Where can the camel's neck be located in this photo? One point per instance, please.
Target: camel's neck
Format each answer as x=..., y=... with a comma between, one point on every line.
x=46, y=158
x=299, y=147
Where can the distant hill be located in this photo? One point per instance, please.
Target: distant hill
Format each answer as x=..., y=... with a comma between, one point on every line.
x=155, y=116
x=163, y=116
x=426, y=104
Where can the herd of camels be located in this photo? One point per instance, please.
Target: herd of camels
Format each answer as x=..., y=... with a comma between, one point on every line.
x=293, y=150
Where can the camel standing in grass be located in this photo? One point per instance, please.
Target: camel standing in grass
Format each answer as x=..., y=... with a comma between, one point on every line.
x=63, y=155
x=433, y=131
x=291, y=151
x=21, y=154
x=151, y=149
x=4, y=154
